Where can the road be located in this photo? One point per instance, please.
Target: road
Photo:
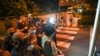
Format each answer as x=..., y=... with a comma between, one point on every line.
x=65, y=35
x=73, y=41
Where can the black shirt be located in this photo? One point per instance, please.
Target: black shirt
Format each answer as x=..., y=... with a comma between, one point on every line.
x=8, y=43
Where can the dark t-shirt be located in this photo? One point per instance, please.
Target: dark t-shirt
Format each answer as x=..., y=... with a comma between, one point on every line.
x=8, y=43
x=53, y=30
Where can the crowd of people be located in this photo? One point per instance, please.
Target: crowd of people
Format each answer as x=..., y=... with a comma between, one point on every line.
x=31, y=37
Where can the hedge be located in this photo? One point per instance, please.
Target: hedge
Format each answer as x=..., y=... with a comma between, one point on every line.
x=89, y=12
x=86, y=20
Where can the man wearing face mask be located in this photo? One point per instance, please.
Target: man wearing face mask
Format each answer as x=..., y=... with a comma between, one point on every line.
x=8, y=43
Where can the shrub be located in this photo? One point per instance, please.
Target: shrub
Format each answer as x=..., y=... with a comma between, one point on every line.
x=89, y=12
x=86, y=20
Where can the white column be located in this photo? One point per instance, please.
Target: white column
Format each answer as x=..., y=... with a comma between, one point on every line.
x=94, y=34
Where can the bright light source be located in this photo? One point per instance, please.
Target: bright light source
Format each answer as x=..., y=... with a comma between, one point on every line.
x=80, y=10
x=52, y=20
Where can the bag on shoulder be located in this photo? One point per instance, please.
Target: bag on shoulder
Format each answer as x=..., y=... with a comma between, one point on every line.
x=47, y=50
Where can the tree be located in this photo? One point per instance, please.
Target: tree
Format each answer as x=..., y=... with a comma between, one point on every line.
x=17, y=7
x=48, y=6
x=93, y=3
x=33, y=7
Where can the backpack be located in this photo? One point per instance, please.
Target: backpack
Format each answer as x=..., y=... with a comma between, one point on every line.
x=47, y=50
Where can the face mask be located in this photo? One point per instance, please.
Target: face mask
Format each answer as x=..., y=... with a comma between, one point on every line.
x=34, y=31
x=31, y=47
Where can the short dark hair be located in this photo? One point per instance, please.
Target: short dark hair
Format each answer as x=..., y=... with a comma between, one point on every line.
x=10, y=27
x=49, y=30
